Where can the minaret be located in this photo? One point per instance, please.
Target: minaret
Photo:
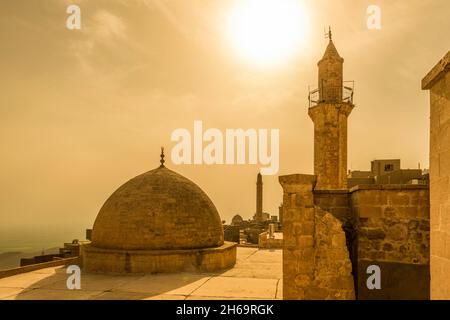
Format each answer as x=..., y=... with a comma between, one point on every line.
x=259, y=198
x=329, y=114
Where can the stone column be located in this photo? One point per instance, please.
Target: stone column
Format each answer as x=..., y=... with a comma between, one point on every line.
x=298, y=234
x=316, y=263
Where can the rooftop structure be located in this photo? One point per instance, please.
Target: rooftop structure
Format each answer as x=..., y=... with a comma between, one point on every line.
x=386, y=171
x=158, y=221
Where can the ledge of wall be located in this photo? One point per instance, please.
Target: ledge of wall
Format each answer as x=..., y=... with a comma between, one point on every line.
x=38, y=266
x=390, y=187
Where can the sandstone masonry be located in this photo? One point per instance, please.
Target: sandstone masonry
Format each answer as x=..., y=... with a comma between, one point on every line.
x=438, y=82
x=316, y=263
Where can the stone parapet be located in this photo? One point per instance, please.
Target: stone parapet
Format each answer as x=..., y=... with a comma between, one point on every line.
x=39, y=266
x=438, y=71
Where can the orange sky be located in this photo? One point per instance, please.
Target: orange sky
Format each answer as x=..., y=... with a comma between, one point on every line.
x=83, y=111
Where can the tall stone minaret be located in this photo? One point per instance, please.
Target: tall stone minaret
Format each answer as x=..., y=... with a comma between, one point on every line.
x=330, y=122
x=259, y=198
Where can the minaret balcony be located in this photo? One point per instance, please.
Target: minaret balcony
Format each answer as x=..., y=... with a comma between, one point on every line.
x=330, y=94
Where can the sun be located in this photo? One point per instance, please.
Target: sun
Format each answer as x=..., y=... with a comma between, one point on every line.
x=267, y=32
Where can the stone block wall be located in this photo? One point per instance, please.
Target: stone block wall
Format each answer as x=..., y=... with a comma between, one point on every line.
x=438, y=82
x=385, y=225
x=338, y=203
x=232, y=233
x=99, y=260
x=393, y=232
x=316, y=263
x=265, y=242
x=393, y=222
x=399, y=281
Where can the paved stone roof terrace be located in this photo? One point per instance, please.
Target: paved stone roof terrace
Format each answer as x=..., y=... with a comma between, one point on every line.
x=256, y=275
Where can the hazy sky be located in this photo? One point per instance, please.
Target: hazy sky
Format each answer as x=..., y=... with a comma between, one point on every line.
x=83, y=111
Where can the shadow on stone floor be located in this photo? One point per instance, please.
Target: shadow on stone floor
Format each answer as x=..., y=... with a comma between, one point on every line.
x=256, y=275
x=52, y=285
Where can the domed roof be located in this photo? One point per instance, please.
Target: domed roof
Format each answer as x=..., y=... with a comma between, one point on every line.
x=237, y=219
x=158, y=210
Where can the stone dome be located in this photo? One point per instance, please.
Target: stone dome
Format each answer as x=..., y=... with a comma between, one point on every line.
x=158, y=210
x=237, y=219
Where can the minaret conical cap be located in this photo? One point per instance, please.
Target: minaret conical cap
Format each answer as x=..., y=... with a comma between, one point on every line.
x=331, y=53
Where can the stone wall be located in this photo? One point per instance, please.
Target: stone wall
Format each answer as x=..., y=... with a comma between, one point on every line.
x=393, y=229
x=393, y=222
x=39, y=266
x=265, y=242
x=316, y=262
x=399, y=281
x=232, y=233
x=98, y=260
x=438, y=82
x=338, y=203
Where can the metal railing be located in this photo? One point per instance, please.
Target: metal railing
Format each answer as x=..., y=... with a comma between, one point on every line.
x=342, y=94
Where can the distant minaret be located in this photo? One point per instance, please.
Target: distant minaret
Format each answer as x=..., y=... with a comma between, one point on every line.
x=259, y=198
x=329, y=115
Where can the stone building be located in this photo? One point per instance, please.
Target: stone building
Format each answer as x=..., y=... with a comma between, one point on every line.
x=158, y=222
x=248, y=231
x=332, y=233
x=437, y=82
x=387, y=171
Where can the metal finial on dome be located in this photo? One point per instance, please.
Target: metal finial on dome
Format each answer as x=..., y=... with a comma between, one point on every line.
x=162, y=157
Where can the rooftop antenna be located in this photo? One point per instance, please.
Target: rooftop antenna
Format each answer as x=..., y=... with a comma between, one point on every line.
x=329, y=34
x=162, y=158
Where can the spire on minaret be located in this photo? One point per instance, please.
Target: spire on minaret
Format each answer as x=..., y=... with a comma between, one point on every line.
x=331, y=51
x=329, y=35
x=162, y=161
x=330, y=74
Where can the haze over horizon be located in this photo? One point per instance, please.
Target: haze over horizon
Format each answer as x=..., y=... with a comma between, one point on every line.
x=83, y=111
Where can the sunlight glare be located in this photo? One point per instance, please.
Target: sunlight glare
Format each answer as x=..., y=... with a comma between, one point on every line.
x=267, y=32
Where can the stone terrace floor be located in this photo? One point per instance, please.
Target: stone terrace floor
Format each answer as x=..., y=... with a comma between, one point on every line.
x=256, y=275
